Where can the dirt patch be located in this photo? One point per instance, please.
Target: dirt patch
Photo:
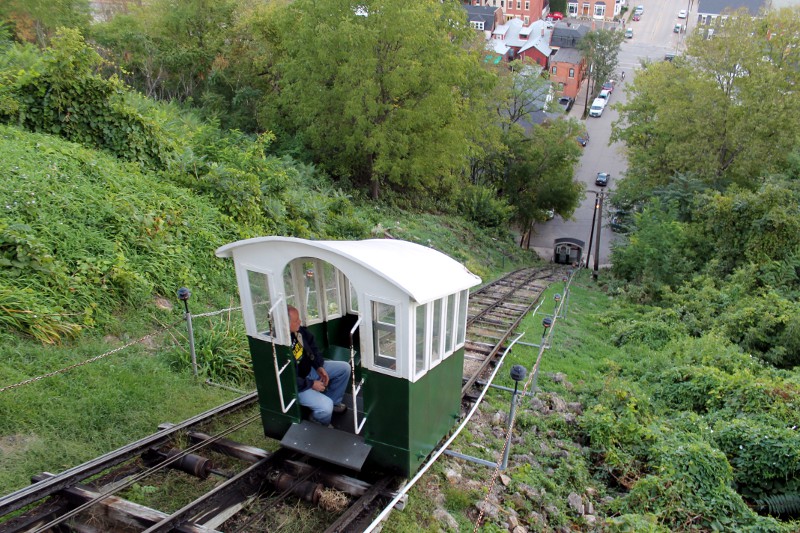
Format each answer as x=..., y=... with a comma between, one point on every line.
x=17, y=444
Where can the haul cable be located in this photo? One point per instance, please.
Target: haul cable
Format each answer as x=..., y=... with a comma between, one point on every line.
x=141, y=475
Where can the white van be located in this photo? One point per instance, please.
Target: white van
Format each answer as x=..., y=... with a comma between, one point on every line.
x=597, y=108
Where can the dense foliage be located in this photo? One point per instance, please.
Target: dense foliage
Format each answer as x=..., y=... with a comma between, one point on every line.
x=717, y=223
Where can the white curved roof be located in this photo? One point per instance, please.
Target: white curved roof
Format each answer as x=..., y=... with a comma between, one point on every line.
x=423, y=273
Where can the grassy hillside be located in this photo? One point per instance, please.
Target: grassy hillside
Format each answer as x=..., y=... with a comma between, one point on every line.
x=92, y=250
x=648, y=431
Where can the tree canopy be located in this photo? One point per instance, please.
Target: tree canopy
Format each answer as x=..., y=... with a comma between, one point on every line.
x=726, y=112
x=380, y=93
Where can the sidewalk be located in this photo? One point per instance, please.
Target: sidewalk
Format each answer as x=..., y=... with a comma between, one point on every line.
x=580, y=102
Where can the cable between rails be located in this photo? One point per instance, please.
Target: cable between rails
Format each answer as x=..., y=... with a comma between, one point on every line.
x=141, y=475
x=531, y=376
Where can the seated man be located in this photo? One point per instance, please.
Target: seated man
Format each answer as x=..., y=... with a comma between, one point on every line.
x=320, y=383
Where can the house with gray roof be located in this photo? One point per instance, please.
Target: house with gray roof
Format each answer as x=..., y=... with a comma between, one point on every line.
x=484, y=18
x=567, y=34
x=710, y=12
x=567, y=64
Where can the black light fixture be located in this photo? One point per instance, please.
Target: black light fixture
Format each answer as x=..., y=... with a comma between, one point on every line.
x=518, y=373
x=183, y=295
x=546, y=322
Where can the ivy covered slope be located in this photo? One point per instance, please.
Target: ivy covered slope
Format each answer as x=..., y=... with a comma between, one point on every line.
x=135, y=209
x=82, y=233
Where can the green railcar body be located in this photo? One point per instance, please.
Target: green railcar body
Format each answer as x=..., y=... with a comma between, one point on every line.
x=405, y=420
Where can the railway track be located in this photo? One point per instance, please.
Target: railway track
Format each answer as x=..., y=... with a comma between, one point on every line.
x=494, y=312
x=84, y=498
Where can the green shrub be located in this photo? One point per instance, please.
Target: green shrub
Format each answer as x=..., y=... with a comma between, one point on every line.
x=129, y=236
x=65, y=97
x=483, y=206
x=765, y=459
x=618, y=432
x=653, y=329
x=221, y=350
x=692, y=388
x=690, y=489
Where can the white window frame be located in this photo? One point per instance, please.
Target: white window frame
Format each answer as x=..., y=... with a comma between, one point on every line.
x=368, y=335
x=599, y=10
x=463, y=311
x=426, y=342
x=280, y=323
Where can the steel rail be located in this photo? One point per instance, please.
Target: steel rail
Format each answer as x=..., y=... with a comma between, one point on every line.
x=35, y=492
x=470, y=381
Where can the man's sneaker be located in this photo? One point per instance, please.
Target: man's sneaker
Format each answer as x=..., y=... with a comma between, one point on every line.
x=339, y=408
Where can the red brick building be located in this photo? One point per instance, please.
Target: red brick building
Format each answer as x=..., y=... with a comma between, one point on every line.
x=525, y=10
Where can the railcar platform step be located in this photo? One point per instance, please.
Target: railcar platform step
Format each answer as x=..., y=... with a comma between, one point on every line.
x=331, y=445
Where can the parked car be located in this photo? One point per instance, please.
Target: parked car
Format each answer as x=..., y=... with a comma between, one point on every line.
x=556, y=15
x=566, y=102
x=583, y=139
x=597, y=108
x=639, y=10
x=637, y=18
x=602, y=179
x=682, y=14
x=609, y=86
x=669, y=56
x=629, y=33
x=605, y=94
x=677, y=28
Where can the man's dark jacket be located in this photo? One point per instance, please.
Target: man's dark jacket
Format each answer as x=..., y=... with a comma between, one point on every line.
x=312, y=358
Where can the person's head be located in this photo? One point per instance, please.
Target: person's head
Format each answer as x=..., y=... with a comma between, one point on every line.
x=294, y=319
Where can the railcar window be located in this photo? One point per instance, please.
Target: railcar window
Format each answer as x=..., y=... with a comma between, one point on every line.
x=311, y=291
x=436, y=333
x=384, y=330
x=450, y=336
x=353, y=298
x=288, y=286
x=333, y=298
x=421, y=331
x=259, y=296
x=463, y=298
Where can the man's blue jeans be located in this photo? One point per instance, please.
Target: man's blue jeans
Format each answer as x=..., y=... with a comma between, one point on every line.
x=321, y=403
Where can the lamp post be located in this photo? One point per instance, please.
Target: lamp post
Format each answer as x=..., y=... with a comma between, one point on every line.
x=183, y=295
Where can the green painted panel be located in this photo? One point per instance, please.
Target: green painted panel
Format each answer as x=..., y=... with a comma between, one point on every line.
x=275, y=421
x=406, y=421
x=435, y=407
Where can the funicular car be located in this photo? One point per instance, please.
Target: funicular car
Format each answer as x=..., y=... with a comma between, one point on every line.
x=395, y=310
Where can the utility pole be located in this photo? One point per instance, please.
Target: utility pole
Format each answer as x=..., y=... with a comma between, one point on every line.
x=586, y=102
x=599, y=212
x=588, y=247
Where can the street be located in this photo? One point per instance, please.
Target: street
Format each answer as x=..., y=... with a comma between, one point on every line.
x=653, y=37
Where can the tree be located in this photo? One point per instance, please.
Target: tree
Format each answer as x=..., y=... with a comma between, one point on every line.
x=600, y=49
x=521, y=91
x=35, y=21
x=726, y=113
x=172, y=49
x=380, y=93
x=539, y=173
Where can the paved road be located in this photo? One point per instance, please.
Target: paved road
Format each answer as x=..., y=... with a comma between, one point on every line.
x=653, y=37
